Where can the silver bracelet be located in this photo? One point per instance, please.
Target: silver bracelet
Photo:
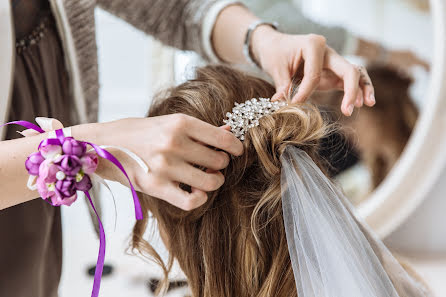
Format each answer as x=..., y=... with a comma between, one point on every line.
x=247, y=45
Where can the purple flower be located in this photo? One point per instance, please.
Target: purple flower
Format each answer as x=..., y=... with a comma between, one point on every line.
x=84, y=184
x=50, y=151
x=71, y=146
x=69, y=164
x=58, y=201
x=66, y=188
x=33, y=162
x=48, y=171
x=43, y=190
x=89, y=163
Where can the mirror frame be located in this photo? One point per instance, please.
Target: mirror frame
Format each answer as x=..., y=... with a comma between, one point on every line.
x=423, y=159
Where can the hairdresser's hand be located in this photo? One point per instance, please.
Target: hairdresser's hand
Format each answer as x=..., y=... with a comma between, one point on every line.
x=308, y=57
x=171, y=145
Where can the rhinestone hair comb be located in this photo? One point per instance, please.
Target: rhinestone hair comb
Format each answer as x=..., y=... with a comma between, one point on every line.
x=246, y=115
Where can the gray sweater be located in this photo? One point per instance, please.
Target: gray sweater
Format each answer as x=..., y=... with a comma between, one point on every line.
x=174, y=22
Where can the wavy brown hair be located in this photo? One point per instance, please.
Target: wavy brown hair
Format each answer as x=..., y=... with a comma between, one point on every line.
x=235, y=244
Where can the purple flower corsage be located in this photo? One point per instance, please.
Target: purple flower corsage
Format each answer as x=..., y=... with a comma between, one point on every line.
x=61, y=168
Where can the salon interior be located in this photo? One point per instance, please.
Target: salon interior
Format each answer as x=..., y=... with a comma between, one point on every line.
x=393, y=170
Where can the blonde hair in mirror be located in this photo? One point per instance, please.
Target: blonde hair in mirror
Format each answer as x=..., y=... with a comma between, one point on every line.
x=235, y=244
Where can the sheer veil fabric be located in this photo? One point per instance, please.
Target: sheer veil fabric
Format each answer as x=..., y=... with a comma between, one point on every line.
x=332, y=253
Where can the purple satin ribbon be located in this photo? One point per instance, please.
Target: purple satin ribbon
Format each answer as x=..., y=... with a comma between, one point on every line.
x=25, y=124
x=101, y=253
x=106, y=155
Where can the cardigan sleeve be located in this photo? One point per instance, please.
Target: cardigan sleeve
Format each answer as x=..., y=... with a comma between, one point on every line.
x=184, y=24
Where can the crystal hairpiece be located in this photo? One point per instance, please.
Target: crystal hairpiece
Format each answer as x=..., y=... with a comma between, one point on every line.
x=247, y=115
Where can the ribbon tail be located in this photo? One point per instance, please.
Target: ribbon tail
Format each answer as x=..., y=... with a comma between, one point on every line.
x=107, y=155
x=100, y=180
x=132, y=155
x=26, y=125
x=101, y=254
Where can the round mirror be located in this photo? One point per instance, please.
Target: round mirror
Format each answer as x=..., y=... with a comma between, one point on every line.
x=390, y=154
x=419, y=165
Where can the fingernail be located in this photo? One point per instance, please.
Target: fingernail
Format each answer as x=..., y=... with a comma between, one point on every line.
x=350, y=109
x=45, y=123
x=372, y=98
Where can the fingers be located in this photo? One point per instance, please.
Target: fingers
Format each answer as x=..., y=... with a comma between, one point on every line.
x=175, y=168
x=358, y=87
x=367, y=87
x=225, y=127
x=349, y=74
x=359, y=102
x=282, y=81
x=314, y=57
x=198, y=154
x=205, y=181
x=176, y=196
x=165, y=184
x=213, y=136
x=351, y=91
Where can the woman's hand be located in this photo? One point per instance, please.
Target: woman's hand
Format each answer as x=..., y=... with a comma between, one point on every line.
x=170, y=145
x=308, y=57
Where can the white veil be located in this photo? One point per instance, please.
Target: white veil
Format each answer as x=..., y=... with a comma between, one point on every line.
x=332, y=254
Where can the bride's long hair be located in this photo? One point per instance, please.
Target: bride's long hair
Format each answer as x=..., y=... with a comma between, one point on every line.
x=235, y=244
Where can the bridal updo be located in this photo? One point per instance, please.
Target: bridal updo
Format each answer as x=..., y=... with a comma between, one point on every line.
x=235, y=244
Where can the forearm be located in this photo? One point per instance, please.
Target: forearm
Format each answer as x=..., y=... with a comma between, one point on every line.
x=13, y=175
x=229, y=32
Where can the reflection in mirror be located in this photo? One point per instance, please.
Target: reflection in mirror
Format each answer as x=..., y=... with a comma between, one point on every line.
x=392, y=40
x=373, y=138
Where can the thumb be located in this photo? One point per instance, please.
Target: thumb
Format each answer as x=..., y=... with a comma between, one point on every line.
x=282, y=81
x=49, y=124
x=225, y=127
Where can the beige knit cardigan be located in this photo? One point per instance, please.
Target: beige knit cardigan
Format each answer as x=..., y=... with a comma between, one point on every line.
x=176, y=23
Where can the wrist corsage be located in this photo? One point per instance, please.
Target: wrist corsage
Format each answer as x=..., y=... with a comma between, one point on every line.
x=63, y=166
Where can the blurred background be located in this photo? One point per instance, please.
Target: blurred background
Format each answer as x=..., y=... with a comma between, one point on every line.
x=394, y=39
